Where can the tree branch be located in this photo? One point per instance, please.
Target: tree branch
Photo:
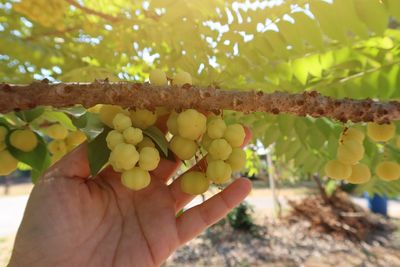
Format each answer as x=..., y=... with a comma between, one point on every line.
x=92, y=12
x=128, y=94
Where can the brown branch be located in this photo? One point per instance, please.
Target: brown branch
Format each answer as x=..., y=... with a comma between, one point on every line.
x=92, y=12
x=127, y=94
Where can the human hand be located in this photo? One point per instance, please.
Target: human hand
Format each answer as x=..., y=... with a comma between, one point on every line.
x=71, y=220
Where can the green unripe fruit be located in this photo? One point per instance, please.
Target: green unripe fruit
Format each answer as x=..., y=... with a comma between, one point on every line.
x=337, y=170
x=136, y=179
x=121, y=122
x=388, y=170
x=182, y=78
x=108, y=113
x=133, y=135
x=235, y=135
x=183, y=148
x=237, y=159
x=216, y=128
x=352, y=134
x=57, y=147
x=218, y=171
x=381, y=132
x=194, y=183
x=143, y=118
x=172, y=123
x=360, y=174
x=113, y=139
x=191, y=124
x=350, y=152
x=220, y=149
x=57, y=131
x=149, y=157
x=146, y=142
x=8, y=163
x=157, y=77
x=124, y=156
x=24, y=140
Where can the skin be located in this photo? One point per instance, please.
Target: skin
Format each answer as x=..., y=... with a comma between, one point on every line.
x=74, y=220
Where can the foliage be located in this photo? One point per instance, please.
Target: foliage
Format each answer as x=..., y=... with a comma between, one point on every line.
x=240, y=218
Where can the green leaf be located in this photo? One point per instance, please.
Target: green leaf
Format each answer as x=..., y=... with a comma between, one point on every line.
x=30, y=115
x=158, y=137
x=98, y=152
x=286, y=123
x=75, y=111
x=57, y=116
x=330, y=187
x=89, y=123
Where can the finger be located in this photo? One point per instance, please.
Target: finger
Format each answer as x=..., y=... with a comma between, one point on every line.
x=73, y=165
x=192, y=222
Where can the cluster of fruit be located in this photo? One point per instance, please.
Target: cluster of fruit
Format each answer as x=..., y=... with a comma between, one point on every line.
x=351, y=150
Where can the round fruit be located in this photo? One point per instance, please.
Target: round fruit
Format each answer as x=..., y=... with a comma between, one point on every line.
x=172, y=123
x=95, y=109
x=113, y=139
x=381, y=132
x=8, y=163
x=191, y=124
x=218, y=171
x=108, y=112
x=75, y=138
x=136, y=178
x=133, y=135
x=143, y=118
x=194, y=183
x=124, y=156
x=158, y=77
x=360, y=174
x=3, y=133
x=57, y=147
x=220, y=149
x=337, y=170
x=216, y=128
x=235, y=135
x=121, y=122
x=2, y=145
x=350, y=152
x=182, y=78
x=237, y=159
x=24, y=140
x=57, y=131
x=352, y=134
x=146, y=142
x=183, y=148
x=206, y=141
x=149, y=157
x=388, y=170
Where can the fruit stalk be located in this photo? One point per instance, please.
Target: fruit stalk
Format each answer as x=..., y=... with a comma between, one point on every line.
x=144, y=95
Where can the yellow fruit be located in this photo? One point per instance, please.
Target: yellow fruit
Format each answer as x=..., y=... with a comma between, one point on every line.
x=183, y=148
x=149, y=157
x=146, y=142
x=220, y=149
x=381, y=132
x=136, y=178
x=133, y=135
x=237, y=159
x=337, y=170
x=121, y=122
x=108, y=112
x=2, y=145
x=75, y=139
x=182, y=78
x=57, y=147
x=206, y=141
x=95, y=109
x=143, y=118
x=157, y=77
x=191, y=124
x=3, y=133
x=24, y=140
x=172, y=123
x=8, y=163
x=194, y=183
x=388, y=170
x=360, y=174
x=216, y=128
x=113, y=139
x=57, y=131
x=350, y=152
x=124, y=156
x=352, y=134
x=218, y=171
x=235, y=135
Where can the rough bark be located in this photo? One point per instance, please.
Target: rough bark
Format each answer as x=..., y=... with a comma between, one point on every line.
x=126, y=94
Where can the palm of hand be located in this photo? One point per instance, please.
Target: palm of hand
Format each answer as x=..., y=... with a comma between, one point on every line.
x=70, y=221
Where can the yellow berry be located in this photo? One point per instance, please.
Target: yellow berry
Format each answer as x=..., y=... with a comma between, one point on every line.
x=191, y=124
x=194, y=183
x=337, y=170
x=350, y=152
x=146, y=142
x=182, y=78
x=157, y=77
x=57, y=147
x=143, y=118
x=220, y=149
x=95, y=109
x=3, y=145
x=133, y=135
x=352, y=134
x=57, y=131
x=388, y=170
x=108, y=112
x=121, y=122
x=3, y=133
x=75, y=138
x=183, y=148
x=218, y=171
x=136, y=178
x=206, y=141
x=381, y=132
x=235, y=135
x=237, y=159
x=113, y=139
x=172, y=123
x=8, y=163
x=216, y=128
x=124, y=156
x=360, y=174
x=24, y=140
x=149, y=157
